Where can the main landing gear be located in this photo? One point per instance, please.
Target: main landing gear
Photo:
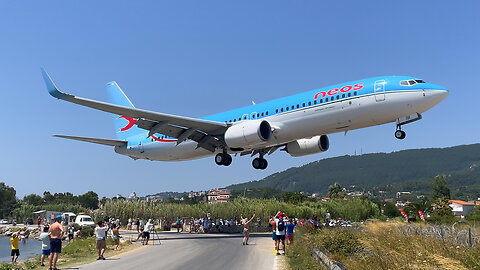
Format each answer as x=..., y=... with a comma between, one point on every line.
x=223, y=159
x=260, y=163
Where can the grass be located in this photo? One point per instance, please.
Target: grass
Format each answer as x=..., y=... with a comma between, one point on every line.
x=79, y=251
x=380, y=245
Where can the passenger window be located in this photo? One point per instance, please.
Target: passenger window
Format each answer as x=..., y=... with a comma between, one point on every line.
x=309, y=103
x=276, y=111
x=326, y=99
x=343, y=96
x=262, y=113
x=293, y=107
x=349, y=94
x=258, y=115
x=303, y=105
x=298, y=106
x=315, y=102
x=286, y=109
x=354, y=93
x=281, y=109
x=266, y=113
x=321, y=100
x=338, y=96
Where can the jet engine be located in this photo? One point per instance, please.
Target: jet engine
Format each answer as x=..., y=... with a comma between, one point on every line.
x=310, y=146
x=248, y=134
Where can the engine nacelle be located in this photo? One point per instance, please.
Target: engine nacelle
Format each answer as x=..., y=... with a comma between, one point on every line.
x=248, y=134
x=310, y=146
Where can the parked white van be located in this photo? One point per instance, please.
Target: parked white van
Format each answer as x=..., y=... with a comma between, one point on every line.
x=84, y=220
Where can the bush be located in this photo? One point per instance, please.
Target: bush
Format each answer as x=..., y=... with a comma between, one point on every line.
x=338, y=240
x=76, y=227
x=86, y=231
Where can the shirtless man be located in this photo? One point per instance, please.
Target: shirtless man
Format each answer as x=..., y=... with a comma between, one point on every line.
x=56, y=234
x=246, y=224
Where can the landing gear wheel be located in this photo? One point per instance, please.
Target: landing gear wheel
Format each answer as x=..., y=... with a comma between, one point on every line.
x=259, y=163
x=228, y=160
x=400, y=134
x=223, y=159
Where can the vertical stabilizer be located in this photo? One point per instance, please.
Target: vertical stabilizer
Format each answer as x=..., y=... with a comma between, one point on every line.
x=124, y=126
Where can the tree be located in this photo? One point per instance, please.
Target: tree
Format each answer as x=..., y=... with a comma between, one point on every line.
x=440, y=188
x=89, y=200
x=48, y=197
x=390, y=210
x=442, y=212
x=335, y=191
x=33, y=199
x=8, y=200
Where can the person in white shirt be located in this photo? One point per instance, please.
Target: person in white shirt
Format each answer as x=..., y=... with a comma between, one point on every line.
x=280, y=231
x=101, y=236
x=146, y=232
x=45, y=237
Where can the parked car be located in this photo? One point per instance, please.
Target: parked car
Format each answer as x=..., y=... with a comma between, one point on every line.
x=84, y=220
x=3, y=221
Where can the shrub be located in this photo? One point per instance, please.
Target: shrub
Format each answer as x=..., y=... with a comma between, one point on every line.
x=86, y=231
x=338, y=240
x=76, y=227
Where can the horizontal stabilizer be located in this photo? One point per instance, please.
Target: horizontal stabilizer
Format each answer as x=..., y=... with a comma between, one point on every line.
x=94, y=140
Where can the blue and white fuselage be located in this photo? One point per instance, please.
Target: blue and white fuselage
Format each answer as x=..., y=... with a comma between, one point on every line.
x=299, y=123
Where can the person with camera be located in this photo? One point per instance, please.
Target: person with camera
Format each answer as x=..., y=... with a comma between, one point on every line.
x=146, y=232
x=101, y=236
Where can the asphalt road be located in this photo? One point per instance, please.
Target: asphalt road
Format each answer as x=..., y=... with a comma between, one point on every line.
x=196, y=251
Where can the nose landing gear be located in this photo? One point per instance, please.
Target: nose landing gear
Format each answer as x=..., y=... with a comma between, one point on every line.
x=400, y=134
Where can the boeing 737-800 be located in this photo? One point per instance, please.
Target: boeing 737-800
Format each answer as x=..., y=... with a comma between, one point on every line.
x=299, y=124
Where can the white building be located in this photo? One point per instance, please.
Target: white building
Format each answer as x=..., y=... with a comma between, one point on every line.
x=461, y=208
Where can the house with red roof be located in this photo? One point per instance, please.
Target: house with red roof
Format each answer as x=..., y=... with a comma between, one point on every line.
x=461, y=208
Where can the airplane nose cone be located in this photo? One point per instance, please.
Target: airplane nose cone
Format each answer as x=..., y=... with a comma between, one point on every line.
x=437, y=95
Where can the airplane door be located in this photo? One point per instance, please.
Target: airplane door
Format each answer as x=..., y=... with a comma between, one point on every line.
x=379, y=89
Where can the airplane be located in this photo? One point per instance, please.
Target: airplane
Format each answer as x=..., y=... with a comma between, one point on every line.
x=299, y=124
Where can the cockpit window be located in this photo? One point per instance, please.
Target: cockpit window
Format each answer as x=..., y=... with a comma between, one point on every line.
x=411, y=82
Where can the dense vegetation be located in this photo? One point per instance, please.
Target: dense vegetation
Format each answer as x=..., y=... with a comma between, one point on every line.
x=383, y=245
x=11, y=207
x=408, y=170
x=354, y=209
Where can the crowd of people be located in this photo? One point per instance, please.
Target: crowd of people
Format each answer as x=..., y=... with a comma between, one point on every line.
x=282, y=228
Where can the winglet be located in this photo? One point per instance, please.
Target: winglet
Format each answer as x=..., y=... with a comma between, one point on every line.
x=52, y=89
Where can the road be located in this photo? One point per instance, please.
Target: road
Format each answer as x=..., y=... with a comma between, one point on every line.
x=196, y=251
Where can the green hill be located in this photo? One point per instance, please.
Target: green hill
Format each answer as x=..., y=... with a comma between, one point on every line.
x=408, y=169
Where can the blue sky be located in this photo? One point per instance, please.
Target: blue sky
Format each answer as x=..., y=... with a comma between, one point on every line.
x=196, y=58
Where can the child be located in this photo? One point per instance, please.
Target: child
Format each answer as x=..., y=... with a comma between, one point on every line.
x=45, y=237
x=15, y=250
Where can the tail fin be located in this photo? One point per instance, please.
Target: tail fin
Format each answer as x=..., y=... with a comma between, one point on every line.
x=124, y=126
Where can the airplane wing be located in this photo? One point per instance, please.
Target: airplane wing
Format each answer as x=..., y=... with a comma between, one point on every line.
x=94, y=140
x=207, y=133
